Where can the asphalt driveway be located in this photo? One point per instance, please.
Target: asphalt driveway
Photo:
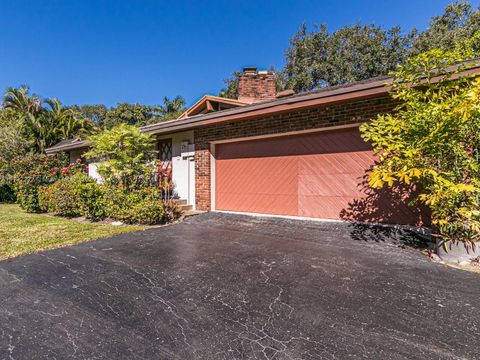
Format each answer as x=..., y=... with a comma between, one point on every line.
x=234, y=287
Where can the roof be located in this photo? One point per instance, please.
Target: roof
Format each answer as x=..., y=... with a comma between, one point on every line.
x=375, y=87
x=69, y=144
x=210, y=103
x=347, y=92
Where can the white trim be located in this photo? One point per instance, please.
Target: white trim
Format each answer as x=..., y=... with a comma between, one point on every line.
x=419, y=229
x=290, y=133
x=212, y=177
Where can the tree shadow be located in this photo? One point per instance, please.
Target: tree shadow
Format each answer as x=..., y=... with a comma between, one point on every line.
x=386, y=206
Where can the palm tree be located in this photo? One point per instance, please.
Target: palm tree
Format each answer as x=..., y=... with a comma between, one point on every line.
x=47, y=121
x=30, y=108
x=18, y=99
x=171, y=109
x=66, y=121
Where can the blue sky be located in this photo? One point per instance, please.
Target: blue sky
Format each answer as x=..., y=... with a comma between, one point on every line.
x=106, y=51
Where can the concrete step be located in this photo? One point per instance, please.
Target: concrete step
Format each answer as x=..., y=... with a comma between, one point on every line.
x=192, y=213
x=184, y=207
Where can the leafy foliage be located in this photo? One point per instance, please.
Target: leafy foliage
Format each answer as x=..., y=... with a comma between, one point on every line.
x=45, y=122
x=131, y=114
x=7, y=195
x=13, y=145
x=95, y=113
x=141, y=115
x=172, y=109
x=319, y=58
x=142, y=206
x=458, y=23
x=126, y=156
x=78, y=195
x=432, y=141
x=33, y=172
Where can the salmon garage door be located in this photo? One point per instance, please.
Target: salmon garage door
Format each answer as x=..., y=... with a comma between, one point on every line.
x=316, y=175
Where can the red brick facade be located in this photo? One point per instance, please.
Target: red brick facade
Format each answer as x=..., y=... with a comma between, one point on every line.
x=322, y=117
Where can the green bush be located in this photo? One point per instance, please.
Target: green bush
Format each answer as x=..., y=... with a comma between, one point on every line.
x=46, y=198
x=30, y=174
x=7, y=195
x=143, y=206
x=92, y=196
x=78, y=195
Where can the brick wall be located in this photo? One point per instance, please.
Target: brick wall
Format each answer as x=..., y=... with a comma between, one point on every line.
x=326, y=116
x=254, y=87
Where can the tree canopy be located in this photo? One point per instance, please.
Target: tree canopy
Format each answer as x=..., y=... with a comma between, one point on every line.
x=44, y=121
x=133, y=114
x=458, y=23
x=317, y=58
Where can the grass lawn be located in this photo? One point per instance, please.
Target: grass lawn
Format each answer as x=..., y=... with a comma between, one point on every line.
x=22, y=233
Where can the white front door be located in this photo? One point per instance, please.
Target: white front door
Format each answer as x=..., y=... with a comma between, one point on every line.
x=183, y=165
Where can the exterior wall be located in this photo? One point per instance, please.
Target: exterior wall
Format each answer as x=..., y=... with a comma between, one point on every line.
x=183, y=167
x=93, y=171
x=322, y=117
x=74, y=155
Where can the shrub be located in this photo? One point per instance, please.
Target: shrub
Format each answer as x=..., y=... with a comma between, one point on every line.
x=92, y=197
x=67, y=200
x=46, y=198
x=125, y=155
x=432, y=141
x=7, y=195
x=77, y=195
x=143, y=206
x=30, y=174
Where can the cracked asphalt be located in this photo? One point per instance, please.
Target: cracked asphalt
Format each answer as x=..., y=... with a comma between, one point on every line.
x=220, y=286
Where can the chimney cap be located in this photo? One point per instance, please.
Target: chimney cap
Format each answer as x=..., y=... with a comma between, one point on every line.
x=249, y=70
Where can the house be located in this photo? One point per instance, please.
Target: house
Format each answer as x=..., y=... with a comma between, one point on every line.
x=283, y=154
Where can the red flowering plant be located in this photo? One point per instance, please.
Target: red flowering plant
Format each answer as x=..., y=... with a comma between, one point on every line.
x=39, y=170
x=77, y=167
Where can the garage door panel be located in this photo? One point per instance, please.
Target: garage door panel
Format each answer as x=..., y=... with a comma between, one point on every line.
x=326, y=207
x=312, y=175
x=259, y=203
x=327, y=185
x=257, y=185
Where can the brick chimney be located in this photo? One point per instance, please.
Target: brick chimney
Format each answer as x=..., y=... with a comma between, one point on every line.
x=256, y=86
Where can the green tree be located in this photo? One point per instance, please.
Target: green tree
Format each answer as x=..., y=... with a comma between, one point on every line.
x=30, y=109
x=44, y=122
x=132, y=114
x=125, y=156
x=458, y=23
x=432, y=141
x=67, y=122
x=318, y=58
x=172, y=109
x=13, y=144
x=96, y=113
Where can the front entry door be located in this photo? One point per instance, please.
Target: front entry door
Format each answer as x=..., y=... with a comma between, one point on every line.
x=165, y=165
